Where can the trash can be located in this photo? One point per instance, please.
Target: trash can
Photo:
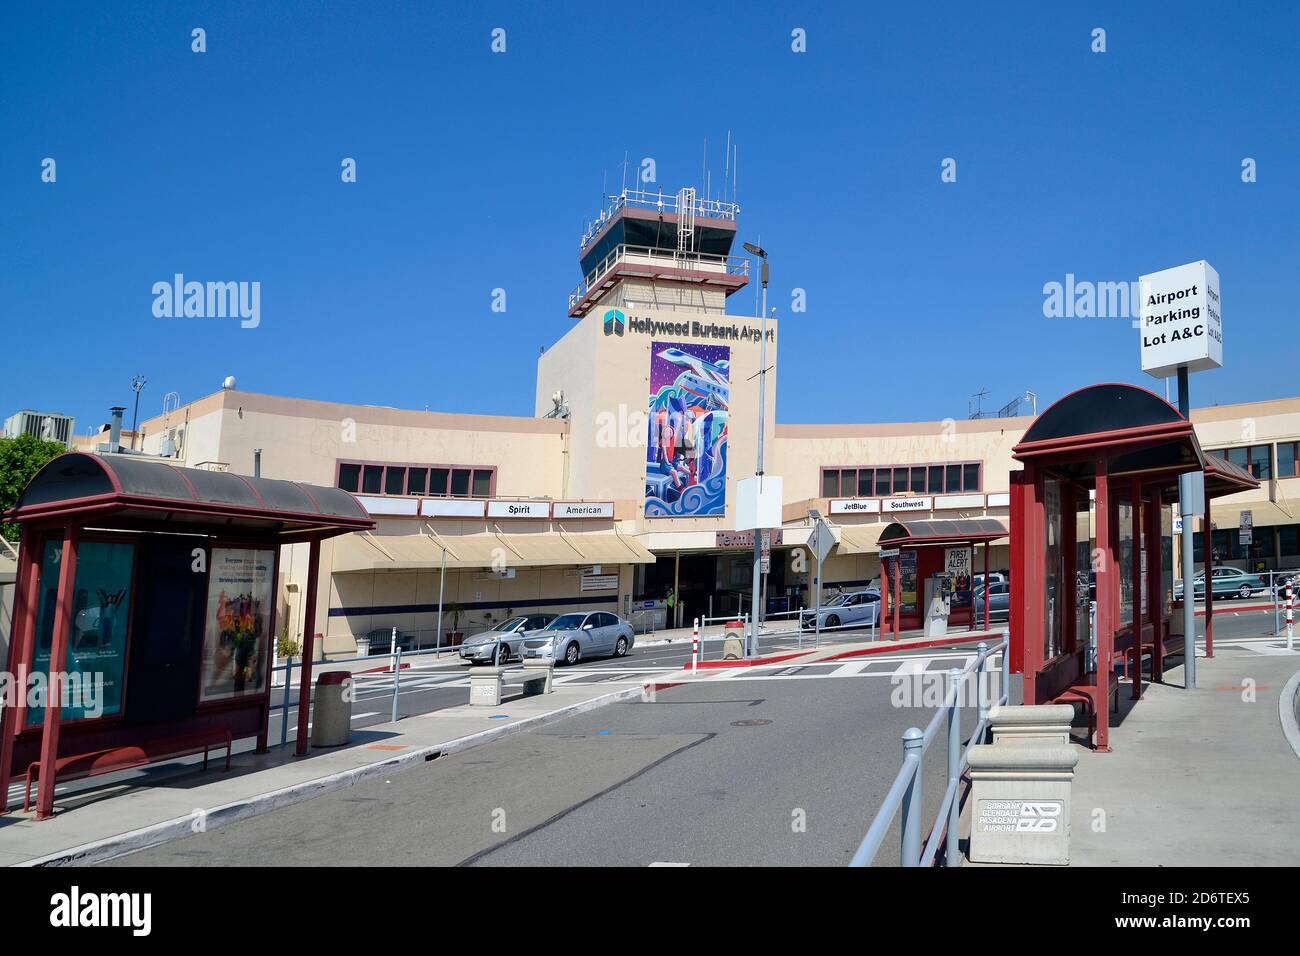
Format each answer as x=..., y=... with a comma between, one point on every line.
x=733, y=646
x=332, y=713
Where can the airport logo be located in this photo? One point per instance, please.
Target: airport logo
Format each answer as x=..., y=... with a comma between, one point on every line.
x=75, y=909
x=1020, y=816
x=614, y=322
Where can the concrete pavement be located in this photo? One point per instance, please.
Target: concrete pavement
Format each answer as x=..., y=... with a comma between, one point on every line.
x=1196, y=778
x=757, y=766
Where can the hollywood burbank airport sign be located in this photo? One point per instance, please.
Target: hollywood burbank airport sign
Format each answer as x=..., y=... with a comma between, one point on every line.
x=1180, y=320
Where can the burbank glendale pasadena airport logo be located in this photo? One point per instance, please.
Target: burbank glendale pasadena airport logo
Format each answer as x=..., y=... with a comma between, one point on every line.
x=614, y=322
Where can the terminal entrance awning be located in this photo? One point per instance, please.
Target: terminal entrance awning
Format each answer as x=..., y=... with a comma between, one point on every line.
x=859, y=538
x=425, y=550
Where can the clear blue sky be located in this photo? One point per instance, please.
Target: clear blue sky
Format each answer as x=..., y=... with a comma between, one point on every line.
x=476, y=171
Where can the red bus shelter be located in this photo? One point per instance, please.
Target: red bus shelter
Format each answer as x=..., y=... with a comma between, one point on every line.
x=1092, y=520
x=156, y=586
x=913, y=552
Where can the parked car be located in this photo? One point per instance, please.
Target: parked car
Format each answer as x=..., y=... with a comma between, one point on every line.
x=1282, y=578
x=1228, y=582
x=571, y=637
x=999, y=602
x=381, y=640
x=997, y=577
x=857, y=607
x=499, y=644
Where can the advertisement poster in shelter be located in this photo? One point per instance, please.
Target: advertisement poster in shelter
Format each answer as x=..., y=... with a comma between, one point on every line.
x=237, y=626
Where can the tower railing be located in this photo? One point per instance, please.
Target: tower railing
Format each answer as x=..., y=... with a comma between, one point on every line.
x=641, y=199
x=697, y=262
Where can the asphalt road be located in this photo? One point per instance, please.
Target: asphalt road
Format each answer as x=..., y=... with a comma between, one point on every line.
x=785, y=770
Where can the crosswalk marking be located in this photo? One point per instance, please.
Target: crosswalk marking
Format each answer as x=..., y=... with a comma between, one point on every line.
x=851, y=668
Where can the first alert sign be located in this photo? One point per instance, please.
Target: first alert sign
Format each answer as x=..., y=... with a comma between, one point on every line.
x=1180, y=320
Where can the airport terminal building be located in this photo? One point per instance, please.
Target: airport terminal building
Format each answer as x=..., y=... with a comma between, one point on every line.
x=621, y=485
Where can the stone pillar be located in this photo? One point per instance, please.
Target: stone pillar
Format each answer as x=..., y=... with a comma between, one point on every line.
x=1039, y=723
x=1020, y=809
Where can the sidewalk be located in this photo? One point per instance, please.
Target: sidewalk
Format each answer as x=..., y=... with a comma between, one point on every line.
x=102, y=823
x=1198, y=777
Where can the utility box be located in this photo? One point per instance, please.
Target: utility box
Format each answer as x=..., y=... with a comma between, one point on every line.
x=1021, y=803
x=937, y=608
x=331, y=724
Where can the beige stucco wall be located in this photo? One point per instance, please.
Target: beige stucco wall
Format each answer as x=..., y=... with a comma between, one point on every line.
x=304, y=440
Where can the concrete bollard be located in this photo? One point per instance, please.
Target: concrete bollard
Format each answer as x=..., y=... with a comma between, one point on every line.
x=1021, y=803
x=485, y=686
x=332, y=711
x=1033, y=723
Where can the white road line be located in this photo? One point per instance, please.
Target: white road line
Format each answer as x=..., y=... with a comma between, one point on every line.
x=369, y=713
x=915, y=665
x=853, y=667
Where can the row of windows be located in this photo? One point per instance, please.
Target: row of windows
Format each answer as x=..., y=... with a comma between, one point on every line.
x=901, y=479
x=1228, y=546
x=1258, y=459
x=437, y=481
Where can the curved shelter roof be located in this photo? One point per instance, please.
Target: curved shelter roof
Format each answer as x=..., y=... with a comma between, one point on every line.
x=1135, y=430
x=137, y=493
x=943, y=531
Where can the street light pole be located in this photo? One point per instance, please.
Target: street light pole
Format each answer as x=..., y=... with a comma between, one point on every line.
x=756, y=605
x=137, y=385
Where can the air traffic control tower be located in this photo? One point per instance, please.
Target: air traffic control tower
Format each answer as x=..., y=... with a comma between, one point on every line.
x=667, y=253
x=657, y=379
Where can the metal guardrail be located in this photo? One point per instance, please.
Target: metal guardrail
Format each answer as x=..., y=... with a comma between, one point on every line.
x=906, y=793
x=699, y=206
x=701, y=262
x=395, y=655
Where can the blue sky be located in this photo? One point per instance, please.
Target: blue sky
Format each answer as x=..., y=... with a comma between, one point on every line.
x=476, y=171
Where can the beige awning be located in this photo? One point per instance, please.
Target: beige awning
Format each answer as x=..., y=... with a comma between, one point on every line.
x=859, y=538
x=610, y=548
x=424, y=551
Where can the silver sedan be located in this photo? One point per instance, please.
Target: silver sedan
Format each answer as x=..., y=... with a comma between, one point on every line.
x=572, y=637
x=499, y=644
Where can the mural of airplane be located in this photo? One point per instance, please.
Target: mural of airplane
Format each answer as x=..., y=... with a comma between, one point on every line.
x=716, y=372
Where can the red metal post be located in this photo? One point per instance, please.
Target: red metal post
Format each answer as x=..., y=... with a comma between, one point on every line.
x=23, y=626
x=1107, y=579
x=308, y=648
x=58, y=668
x=1207, y=546
x=970, y=568
x=884, y=598
x=898, y=578
x=1135, y=574
x=1155, y=585
x=986, y=587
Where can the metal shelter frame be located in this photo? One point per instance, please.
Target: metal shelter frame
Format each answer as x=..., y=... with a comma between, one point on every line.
x=78, y=497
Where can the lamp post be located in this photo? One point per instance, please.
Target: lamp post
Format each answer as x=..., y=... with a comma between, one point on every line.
x=137, y=385
x=757, y=603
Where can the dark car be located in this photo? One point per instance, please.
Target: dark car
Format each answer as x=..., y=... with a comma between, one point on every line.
x=999, y=602
x=381, y=640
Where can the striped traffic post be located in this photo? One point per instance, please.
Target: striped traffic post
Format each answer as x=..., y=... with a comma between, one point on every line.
x=1290, y=618
x=695, y=646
